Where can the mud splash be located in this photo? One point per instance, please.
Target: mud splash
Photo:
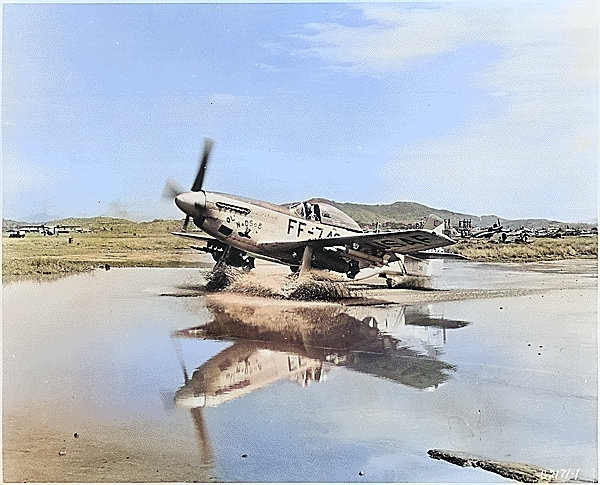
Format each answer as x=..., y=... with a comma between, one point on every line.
x=316, y=286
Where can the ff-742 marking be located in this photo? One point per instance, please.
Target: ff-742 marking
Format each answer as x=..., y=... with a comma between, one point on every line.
x=296, y=226
x=301, y=235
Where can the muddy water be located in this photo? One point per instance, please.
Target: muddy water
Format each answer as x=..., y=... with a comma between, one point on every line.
x=284, y=392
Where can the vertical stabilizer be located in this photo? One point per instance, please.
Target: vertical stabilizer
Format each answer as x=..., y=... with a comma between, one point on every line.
x=435, y=224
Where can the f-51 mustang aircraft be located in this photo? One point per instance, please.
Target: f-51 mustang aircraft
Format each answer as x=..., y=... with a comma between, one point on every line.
x=302, y=235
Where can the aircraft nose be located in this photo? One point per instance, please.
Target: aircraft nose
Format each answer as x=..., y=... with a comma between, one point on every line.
x=191, y=202
x=187, y=398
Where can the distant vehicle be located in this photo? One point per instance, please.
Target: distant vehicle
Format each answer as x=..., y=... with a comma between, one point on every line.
x=570, y=231
x=15, y=233
x=553, y=232
x=301, y=235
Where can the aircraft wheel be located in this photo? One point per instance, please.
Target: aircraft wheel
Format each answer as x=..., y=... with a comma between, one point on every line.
x=353, y=270
x=249, y=264
x=389, y=282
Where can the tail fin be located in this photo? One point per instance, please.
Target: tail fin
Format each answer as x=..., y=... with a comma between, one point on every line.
x=434, y=223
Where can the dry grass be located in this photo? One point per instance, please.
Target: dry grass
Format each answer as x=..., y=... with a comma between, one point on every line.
x=36, y=254
x=121, y=243
x=543, y=249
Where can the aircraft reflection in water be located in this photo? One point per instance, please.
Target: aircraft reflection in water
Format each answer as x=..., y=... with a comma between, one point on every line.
x=280, y=340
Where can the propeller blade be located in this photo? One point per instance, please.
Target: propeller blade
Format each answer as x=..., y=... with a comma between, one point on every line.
x=179, y=354
x=208, y=144
x=172, y=189
x=185, y=223
x=206, y=451
x=167, y=398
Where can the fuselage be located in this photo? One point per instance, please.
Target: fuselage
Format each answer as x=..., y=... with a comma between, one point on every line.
x=243, y=368
x=248, y=224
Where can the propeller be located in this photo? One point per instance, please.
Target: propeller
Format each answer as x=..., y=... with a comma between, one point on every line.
x=205, y=447
x=179, y=353
x=206, y=451
x=168, y=397
x=185, y=223
x=172, y=189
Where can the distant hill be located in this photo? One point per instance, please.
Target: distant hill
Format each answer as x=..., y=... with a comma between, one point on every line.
x=404, y=213
x=118, y=225
x=8, y=224
x=40, y=218
x=389, y=216
x=109, y=224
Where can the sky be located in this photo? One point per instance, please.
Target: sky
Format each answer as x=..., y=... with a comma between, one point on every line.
x=477, y=107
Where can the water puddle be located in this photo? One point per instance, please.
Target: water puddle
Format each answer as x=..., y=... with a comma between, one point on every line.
x=246, y=389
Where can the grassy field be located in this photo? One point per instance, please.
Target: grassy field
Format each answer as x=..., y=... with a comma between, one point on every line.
x=122, y=243
x=543, y=249
x=115, y=242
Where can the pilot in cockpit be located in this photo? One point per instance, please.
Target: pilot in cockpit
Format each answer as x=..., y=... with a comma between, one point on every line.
x=312, y=211
x=308, y=211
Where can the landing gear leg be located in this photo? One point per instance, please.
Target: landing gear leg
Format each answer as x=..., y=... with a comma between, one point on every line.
x=306, y=261
x=223, y=259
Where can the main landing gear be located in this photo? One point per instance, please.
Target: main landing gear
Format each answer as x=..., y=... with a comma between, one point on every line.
x=232, y=257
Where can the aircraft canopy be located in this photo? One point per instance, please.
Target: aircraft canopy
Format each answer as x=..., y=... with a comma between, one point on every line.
x=324, y=213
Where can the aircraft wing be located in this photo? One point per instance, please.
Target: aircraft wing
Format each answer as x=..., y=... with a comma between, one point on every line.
x=205, y=237
x=194, y=235
x=376, y=243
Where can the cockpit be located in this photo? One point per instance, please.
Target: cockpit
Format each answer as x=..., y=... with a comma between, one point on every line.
x=306, y=210
x=325, y=214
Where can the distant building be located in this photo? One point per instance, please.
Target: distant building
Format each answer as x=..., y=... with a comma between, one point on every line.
x=49, y=230
x=32, y=228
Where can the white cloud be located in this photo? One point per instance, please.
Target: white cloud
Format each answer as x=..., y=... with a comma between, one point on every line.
x=394, y=37
x=536, y=153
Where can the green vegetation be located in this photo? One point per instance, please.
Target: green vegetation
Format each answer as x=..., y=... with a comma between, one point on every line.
x=394, y=214
x=542, y=249
x=108, y=225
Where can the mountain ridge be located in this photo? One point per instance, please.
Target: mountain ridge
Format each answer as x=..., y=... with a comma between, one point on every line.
x=390, y=216
x=404, y=213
